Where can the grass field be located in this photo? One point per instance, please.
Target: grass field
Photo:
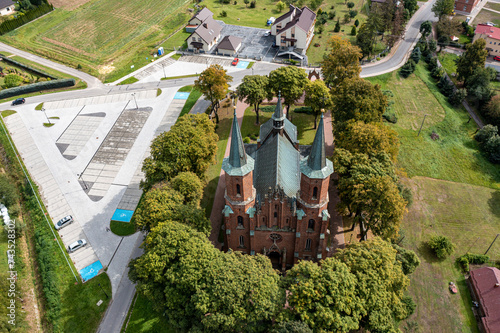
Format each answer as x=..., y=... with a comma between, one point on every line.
x=487, y=16
x=455, y=156
x=470, y=216
x=143, y=318
x=105, y=37
x=492, y=5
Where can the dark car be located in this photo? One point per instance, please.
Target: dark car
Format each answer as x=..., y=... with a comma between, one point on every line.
x=497, y=58
x=19, y=101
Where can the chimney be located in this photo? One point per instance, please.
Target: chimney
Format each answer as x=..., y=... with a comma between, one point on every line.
x=497, y=285
x=205, y=25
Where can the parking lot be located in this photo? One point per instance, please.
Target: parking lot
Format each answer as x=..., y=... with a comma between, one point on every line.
x=254, y=45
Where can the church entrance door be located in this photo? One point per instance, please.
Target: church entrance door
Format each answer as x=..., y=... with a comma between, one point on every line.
x=275, y=258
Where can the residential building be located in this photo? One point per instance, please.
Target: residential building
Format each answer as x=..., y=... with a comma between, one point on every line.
x=465, y=7
x=229, y=45
x=485, y=287
x=492, y=37
x=205, y=32
x=7, y=7
x=294, y=29
x=276, y=200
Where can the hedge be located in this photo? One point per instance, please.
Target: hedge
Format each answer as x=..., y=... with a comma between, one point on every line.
x=36, y=87
x=18, y=64
x=29, y=16
x=469, y=258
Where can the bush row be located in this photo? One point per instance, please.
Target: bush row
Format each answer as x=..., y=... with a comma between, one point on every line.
x=18, y=64
x=470, y=258
x=36, y=87
x=10, y=25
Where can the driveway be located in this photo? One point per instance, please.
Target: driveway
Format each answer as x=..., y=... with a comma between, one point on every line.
x=254, y=45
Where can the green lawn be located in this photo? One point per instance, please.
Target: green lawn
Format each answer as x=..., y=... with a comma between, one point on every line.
x=143, y=318
x=194, y=95
x=104, y=37
x=487, y=16
x=130, y=80
x=469, y=215
x=122, y=228
x=455, y=156
x=492, y=5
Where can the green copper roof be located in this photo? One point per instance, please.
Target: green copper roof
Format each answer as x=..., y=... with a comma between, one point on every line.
x=316, y=165
x=278, y=111
x=238, y=163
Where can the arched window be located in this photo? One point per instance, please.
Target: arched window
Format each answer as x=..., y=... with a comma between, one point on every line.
x=240, y=222
x=308, y=244
x=275, y=214
x=242, y=241
x=315, y=193
x=310, y=225
x=238, y=190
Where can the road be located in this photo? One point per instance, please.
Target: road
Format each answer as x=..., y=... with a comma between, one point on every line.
x=411, y=37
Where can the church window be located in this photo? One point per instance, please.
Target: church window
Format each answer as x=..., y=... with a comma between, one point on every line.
x=238, y=190
x=275, y=214
x=240, y=222
x=242, y=241
x=308, y=244
x=315, y=193
x=287, y=221
x=310, y=225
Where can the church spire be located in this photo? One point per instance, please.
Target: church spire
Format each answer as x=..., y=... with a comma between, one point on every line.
x=278, y=116
x=237, y=155
x=317, y=157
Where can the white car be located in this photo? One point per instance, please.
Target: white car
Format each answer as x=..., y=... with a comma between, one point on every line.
x=64, y=222
x=76, y=245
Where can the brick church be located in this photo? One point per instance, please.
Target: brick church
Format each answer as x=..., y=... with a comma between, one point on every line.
x=275, y=200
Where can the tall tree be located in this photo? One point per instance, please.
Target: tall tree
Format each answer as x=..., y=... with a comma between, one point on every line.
x=341, y=62
x=443, y=8
x=493, y=110
x=213, y=82
x=426, y=28
x=189, y=185
x=411, y=5
x=397, y=27
x=190, y=145
x=365, y=38
x=317, y=98
x=323, y=296
x=357, y=99
x=474, y=57
x=381, y=283
x=291, y=81
x=370, y=139
x=253, y=91
x=478, y=85
x=200, y=288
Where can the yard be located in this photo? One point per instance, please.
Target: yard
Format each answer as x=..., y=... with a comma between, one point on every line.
x=104, y=37
x=487, y=16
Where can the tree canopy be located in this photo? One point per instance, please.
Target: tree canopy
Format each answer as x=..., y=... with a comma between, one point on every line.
x=426, y=28
x=443, y=8
x=199, y=287
x=291, y=81
x=341, y=62
x=213, y=82
x=473, y=58
x=252, y=90
x=189, y=185
x=317, y=98
x=190, y=145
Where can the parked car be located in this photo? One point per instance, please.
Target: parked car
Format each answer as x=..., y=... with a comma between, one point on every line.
x=268, y=33
x=497, y=58
x=235, y=61
x=19, y=101
x=77, y=245
x=64, y=222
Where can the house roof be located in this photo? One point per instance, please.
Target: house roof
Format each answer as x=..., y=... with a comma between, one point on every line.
x=303, y=18
x=208, y=30
x=492, y=32
x=485, y=281
x=230, y=43
x=6, y=3
x=202, y=15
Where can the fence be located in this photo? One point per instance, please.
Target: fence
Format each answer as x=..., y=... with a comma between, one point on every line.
x=21, y=19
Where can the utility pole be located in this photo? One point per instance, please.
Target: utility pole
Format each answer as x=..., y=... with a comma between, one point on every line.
x=43, y=110
x=133, y=95
x=425, y=115
x=84, y=184
x=491, y=244
x=163, y=65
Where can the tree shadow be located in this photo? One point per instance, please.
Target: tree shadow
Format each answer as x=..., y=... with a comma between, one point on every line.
x=425, y=253
x=494, y=203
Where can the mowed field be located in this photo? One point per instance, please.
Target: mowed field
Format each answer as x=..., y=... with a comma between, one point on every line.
x=104, y=37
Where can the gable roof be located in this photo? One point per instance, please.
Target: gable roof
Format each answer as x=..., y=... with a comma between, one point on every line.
x=230, y=43
x=6, y=3
x=202, y=15
x=302, y=18
x=492, y=32
x=485, y=282
x=208, y=30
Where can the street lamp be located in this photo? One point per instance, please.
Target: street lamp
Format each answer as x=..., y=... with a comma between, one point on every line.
x=252, y=70
x=103, y=290
x=84, y=184
x=133, y=95
x=163, y=65
x=43, y=110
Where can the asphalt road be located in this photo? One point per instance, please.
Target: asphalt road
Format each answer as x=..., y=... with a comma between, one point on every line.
x=411, y=37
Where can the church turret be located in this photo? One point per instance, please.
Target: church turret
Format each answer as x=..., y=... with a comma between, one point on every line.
x=278, y=116
x=317, y=157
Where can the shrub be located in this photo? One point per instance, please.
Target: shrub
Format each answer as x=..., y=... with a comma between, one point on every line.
x=390, y=117
x=350, y=4
x=458, y=96
x=492, y=149
x=416, y=54
x=441, y=246
x=37, y=87
x=407, y=68
x=253, y=4
x=356, y=23
x=485, y=133
x=353, y=30
x=409, y=304
x=320, y=29
x=246, y=140
x=353, y=13
x=469, y=258
x=8, y=191
x=332, y=14
x=223, y=14
x=12, y=80
x=337, y=26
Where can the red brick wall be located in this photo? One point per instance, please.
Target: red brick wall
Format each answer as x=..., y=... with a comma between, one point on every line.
x=463, y=6
x=307, y=186
x=246, y=186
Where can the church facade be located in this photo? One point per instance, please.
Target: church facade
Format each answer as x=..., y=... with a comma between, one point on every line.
x=276, y=202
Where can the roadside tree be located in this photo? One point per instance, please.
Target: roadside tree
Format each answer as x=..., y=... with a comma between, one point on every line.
x=342, y=61
x=443, y=8
x=252, y=90
x=290, y=81
x=426, y=28
x=213, y=82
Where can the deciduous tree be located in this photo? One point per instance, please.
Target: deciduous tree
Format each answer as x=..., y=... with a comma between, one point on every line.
x=342, y=61
x=190, y=145
x=253, y=91
x=493, y=110
x=213, y=82
x=280, y=5
x=443, y=8
x=364, y=39
x=473, y=58
x=426, y=28
x=189, y=185
x=317, y=98
x=291, y=81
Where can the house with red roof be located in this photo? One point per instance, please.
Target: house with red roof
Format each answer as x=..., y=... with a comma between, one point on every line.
x=485, y=287
x=492, y=37
x=295, y=29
